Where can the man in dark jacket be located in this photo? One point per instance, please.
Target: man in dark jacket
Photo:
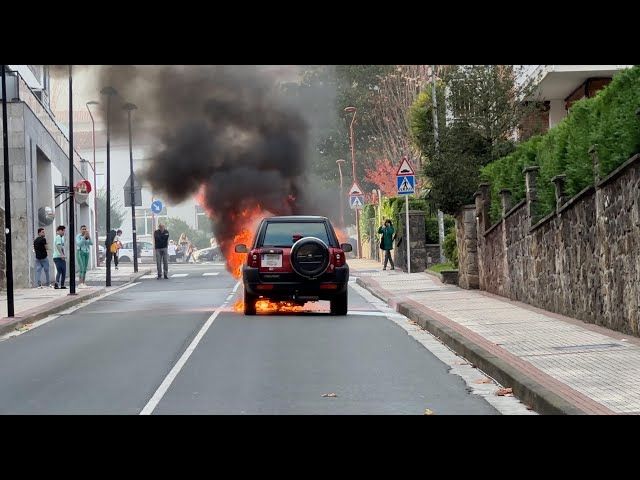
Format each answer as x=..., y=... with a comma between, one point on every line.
x=161, y=241
x=386, y=242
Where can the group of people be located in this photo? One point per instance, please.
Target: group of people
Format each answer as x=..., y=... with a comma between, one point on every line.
x=165, y=251
x=41, y=248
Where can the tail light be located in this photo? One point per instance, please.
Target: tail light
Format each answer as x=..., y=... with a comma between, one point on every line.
x=338, y=258
x=253, y=258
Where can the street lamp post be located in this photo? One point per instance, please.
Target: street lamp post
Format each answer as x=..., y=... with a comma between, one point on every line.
x=7, y=199
x=109, y=92
x=353, y=166
x=129, y=107
x=72, y=202
x=342, y=199
x=95, y=186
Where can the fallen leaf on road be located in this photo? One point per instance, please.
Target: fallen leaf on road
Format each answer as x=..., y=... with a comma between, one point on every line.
x=504, y=392
x=484, y=380
x=412, y=322
x=330, y=395
x=22, y=328
x=428, y=411
x=461, y=363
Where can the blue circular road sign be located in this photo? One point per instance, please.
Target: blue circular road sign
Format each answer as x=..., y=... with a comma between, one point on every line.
x=156, y=206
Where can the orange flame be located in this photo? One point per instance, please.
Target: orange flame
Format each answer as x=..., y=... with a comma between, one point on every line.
x=342, y=236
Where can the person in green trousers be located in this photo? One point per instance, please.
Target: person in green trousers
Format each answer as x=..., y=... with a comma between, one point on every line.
x=386, y=242
x=83, y=245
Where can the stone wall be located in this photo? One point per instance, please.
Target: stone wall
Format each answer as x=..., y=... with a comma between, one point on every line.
x=583, y=260
x=467, y=240
x=417, y=236
x=432, y=251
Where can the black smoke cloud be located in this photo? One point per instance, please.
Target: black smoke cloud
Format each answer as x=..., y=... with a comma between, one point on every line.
x=223, y=129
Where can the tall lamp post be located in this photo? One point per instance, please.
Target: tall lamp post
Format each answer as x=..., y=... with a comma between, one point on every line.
x=342, y=199
x=129, y=107
x=72, y=201
x=109, y=92
x=7, y=199
x=95, y=186
x=353, y=166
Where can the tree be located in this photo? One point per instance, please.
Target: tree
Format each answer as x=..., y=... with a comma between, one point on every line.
x=177, y=226
x=398, y=91
x=479, y=108
x=383, y=176
x=116, y=212
x=358, y=86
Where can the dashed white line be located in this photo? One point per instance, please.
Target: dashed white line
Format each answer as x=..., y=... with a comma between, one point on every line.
x=166, y=383
x=210, y=274
x=179, y=275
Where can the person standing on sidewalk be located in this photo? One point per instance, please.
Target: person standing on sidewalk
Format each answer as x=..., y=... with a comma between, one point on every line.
x=83, y=245
x=42, y=258
x=386, y=242
x=60, y=257
x=161, y=243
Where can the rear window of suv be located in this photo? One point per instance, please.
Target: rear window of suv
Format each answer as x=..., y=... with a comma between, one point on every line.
x=281, y=234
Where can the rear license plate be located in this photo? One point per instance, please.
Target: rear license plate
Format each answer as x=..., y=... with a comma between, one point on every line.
x=272, y=260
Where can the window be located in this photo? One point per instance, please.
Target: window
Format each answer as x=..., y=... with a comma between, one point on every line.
x=144, y=220
x=281, y=234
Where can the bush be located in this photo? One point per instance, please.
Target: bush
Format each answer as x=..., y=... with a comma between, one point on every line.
x=450, y=247
x=607, y=120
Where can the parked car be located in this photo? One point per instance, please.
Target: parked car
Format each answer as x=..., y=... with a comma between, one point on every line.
x=209, y=254
x=146, y=253
x=298, y=259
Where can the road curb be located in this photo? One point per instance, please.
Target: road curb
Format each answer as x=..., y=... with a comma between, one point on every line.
x=525, y=388
x=38, y=313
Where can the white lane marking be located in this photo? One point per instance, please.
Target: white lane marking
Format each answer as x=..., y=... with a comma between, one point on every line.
x=178, y=275
x=235, y=289
x=458, y=365
x=210, y=274
x=166, y=383
x=149, y=276
x=69, y=310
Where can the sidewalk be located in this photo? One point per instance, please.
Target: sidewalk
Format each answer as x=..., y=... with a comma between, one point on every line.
x=33, y=304
x=555, y=364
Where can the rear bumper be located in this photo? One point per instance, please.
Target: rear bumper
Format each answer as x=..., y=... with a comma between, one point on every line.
x=291, y=286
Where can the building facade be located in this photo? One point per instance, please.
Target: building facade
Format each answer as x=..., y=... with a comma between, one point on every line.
x=38, y=162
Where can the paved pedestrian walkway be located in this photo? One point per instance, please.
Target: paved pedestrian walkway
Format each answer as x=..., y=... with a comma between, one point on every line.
x=553, y=363
x=32, y=304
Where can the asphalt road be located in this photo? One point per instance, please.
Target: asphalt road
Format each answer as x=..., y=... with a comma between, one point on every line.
x=125, y=354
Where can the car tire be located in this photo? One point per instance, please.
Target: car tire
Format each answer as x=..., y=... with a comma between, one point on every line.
x=124, y=259
x=249, y=303
x=339, y=304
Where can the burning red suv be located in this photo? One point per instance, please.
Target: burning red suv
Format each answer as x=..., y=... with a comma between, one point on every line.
x=298, y=259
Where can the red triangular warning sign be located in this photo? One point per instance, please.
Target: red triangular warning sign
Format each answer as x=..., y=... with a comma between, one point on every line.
x=355, y=190
x=405, y=168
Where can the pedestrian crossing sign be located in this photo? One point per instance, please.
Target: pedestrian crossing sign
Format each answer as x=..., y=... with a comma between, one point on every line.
x=406, y=184
x=356, y=202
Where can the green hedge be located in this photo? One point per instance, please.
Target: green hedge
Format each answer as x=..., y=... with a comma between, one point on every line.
x=609, y=120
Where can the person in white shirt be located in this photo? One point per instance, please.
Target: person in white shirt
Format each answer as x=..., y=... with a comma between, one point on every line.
x=171, y=251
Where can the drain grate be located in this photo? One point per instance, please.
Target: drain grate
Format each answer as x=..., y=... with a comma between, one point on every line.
x=590, y=346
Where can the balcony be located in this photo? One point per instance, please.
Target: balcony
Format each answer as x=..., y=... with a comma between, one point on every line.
x=557, y=82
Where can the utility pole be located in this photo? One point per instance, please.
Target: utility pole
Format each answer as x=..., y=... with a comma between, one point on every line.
x=436, y=138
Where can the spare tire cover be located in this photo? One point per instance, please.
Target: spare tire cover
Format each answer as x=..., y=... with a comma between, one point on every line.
x=309, y=257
